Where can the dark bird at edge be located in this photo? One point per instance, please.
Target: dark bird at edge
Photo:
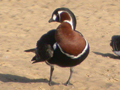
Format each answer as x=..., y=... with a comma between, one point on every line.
x=115, y=44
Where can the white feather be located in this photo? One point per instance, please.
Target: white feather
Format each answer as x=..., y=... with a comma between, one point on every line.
x=54, y=17
x=117, y=52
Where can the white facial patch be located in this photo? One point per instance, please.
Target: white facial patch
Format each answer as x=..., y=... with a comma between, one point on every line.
x=54, y=17
x=59, y=12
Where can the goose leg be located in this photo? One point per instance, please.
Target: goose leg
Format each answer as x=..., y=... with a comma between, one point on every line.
x=51, y=72
x=68, y=81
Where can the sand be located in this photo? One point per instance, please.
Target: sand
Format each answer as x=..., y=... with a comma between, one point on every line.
x=23, y=22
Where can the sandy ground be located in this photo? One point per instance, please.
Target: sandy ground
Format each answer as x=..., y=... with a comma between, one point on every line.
x=22, y=22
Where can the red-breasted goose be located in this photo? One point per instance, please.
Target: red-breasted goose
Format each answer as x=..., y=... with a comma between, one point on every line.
x=64, y=46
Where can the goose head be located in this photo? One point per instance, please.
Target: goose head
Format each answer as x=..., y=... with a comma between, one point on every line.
x=64, y=15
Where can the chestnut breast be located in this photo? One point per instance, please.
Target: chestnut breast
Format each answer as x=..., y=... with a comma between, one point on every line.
x=70, y=41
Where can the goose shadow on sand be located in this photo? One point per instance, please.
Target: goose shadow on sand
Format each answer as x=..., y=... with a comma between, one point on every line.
x=107, y=55
x=20, y=79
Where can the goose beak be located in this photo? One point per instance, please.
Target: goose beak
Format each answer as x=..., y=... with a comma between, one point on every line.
x=51, y=20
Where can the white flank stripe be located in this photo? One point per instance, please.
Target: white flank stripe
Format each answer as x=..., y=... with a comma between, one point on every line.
x=117, y=52
x=54, y=46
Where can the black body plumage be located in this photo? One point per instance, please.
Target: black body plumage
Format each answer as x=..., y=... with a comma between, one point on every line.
x=44, y=50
